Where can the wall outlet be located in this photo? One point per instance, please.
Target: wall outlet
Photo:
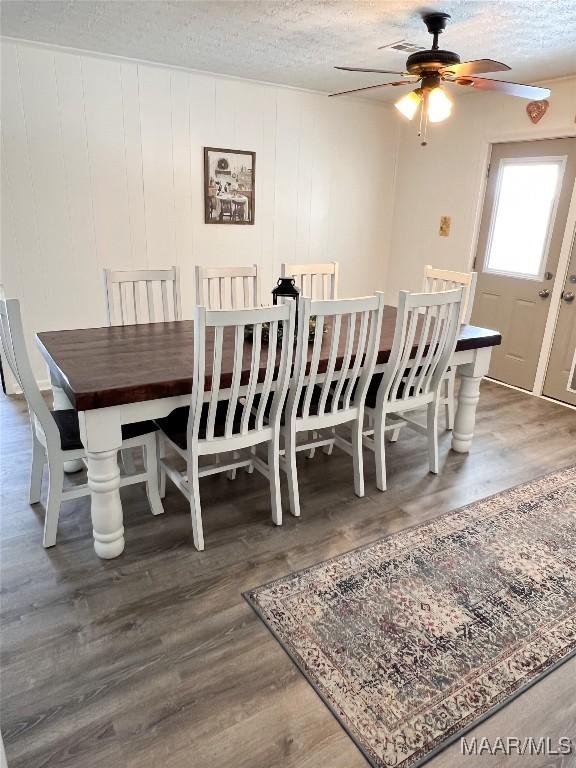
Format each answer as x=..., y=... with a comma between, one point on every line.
x=445, y=222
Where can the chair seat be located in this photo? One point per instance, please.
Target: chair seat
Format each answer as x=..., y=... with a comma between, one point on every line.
x=314, y=409
x=374, y=386
x=175, y=425
x=69, y=428
x=314, y=405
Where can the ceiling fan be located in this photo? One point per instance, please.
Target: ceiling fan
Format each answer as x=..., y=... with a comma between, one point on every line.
x=431, y=67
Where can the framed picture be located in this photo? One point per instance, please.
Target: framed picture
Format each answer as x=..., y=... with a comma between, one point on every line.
x=229, y=186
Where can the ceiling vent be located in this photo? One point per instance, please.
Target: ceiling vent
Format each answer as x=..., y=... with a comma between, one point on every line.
x=404, y=46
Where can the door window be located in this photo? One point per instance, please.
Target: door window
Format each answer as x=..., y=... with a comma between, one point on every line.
x=523, y=215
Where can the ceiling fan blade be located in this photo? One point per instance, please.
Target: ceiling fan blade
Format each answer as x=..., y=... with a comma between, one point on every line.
x=377, y=71
x=503, y=86
x=368, y=87
x=477, y=67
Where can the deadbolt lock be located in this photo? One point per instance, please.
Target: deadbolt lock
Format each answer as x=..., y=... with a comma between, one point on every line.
x=572, y=279
x=550, y=275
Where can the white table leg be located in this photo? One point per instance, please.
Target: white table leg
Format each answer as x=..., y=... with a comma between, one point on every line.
x=61, y=403
x=106, y=509
x=101, y=434
x=468, y=398
x=471, y=375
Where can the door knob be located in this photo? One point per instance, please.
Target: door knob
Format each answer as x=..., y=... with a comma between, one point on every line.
x=568, y=296
x=544, y=293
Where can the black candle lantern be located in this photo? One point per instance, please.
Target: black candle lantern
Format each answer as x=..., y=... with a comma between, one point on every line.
x=286, y=289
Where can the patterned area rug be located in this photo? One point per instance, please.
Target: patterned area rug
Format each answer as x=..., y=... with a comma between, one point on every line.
x=414, y=639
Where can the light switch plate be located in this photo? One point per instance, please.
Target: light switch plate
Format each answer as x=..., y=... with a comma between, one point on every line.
x=445, y=222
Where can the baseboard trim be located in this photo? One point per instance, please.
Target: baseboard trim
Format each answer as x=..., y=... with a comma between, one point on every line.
x=43, y=385
x=529, y=392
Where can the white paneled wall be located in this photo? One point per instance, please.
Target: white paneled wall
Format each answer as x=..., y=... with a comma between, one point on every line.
x=102, y=165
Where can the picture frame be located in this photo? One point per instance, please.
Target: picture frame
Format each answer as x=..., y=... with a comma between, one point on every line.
x=229, y=186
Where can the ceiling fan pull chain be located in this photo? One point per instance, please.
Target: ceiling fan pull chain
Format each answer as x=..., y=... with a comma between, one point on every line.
x=422, y=103
x=423, y=127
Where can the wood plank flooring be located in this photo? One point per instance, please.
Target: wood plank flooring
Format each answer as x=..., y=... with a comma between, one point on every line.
x=155, y=660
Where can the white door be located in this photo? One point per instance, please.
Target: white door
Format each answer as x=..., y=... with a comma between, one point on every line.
x=525, y=210
x=557, y=383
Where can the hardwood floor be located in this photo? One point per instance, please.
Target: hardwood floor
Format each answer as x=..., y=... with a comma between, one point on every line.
x=155, y=660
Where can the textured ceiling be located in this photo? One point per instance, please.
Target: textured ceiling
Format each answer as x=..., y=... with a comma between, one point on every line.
x=298, y=42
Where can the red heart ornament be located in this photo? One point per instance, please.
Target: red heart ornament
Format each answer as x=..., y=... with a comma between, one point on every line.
x=537, y=109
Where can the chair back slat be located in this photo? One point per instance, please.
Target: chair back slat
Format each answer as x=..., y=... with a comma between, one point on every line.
x=345, y=367
x=165, y=306
x=150, y=300
x=16, y=354
x=314, y=362
x=361, y=344
x=327, y=286
x=409, y=333
x=331, y=367
x=347, y=334
x=314, y=281
x=236, y=376
x=445, y=280
x=215, y=389
x=227, y=287
x=244, y=413
x=427, y=326
x=269, y=373
x=249, y=291
x=7, y=342
x=121, y=304
x=253, y=380
x=142, y=296
x=416, y=367
x=137, y=305
x=198, y=375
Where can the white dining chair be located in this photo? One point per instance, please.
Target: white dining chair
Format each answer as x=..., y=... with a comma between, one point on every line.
x=227, y=287
x=314, y=281
x=427, y=326
x=56, y=434
x=446, y=280
x=237, y=415
x=142, y=296
x=347, y=334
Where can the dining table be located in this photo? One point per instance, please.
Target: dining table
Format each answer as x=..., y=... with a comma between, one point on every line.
x=119, y=375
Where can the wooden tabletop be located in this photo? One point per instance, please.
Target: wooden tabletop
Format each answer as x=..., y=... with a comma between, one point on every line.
x=101, y=367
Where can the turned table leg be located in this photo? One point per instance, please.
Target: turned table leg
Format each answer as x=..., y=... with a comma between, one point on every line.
x=471, y=375
x=106, y=507
x=61, y=403
x=101, y=434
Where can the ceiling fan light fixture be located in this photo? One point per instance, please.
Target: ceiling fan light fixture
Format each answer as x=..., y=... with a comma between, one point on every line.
x=408, y=104
x=439, y=105
x=434, y=66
